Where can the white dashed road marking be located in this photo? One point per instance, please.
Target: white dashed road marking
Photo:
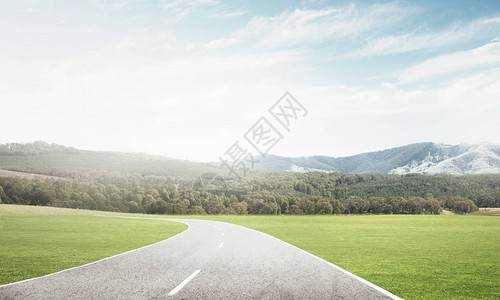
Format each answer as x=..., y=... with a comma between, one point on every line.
x=186, y=281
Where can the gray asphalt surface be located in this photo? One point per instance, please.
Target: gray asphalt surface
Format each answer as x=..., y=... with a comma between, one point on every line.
x=233, y=262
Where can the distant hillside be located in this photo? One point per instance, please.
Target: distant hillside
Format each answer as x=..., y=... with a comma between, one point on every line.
x=423, y=158
x=51, y=159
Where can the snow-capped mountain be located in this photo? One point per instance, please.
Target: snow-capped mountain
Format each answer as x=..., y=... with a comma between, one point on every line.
x=424, y=158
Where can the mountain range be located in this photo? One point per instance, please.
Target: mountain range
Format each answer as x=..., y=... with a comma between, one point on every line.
x=423, y=158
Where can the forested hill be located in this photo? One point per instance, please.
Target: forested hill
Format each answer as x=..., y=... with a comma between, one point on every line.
x=52, y=159
x=130, y=182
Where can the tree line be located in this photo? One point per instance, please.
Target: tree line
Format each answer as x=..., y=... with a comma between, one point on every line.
x=273, y=193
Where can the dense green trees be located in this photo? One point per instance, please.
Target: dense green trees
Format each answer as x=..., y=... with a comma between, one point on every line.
x=273, y=193
x=153, y=196
x=400, y=205
x=459, y=204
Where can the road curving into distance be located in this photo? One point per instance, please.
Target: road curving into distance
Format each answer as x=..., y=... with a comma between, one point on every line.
x=210, y=260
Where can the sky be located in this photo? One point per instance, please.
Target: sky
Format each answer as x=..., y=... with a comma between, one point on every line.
x=187, y=79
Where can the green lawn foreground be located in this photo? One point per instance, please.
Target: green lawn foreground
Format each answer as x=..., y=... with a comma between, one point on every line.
x=36, y=241
x=412, y=256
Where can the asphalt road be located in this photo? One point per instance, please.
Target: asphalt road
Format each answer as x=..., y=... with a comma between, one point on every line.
x=210, y=260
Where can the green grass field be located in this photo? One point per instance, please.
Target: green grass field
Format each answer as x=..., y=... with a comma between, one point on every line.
x=414, y=257
x=37, y=241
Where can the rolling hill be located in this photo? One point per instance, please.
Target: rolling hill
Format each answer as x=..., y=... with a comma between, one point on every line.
x=52, y=159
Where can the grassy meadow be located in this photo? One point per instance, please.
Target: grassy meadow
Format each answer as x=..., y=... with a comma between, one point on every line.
x=36, y=241
x=412, y=256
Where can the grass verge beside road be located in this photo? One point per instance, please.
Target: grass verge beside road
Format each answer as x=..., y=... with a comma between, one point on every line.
x=36, y=241
x=412, y=256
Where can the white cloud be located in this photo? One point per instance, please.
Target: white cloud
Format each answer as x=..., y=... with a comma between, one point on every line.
x=117, y=5
x=220, y=43
x=182, y=8
x=412, y=41
x=310, y=26
x=225, y=13
x=29, y=10
x=467, y=95
x=481, y=57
